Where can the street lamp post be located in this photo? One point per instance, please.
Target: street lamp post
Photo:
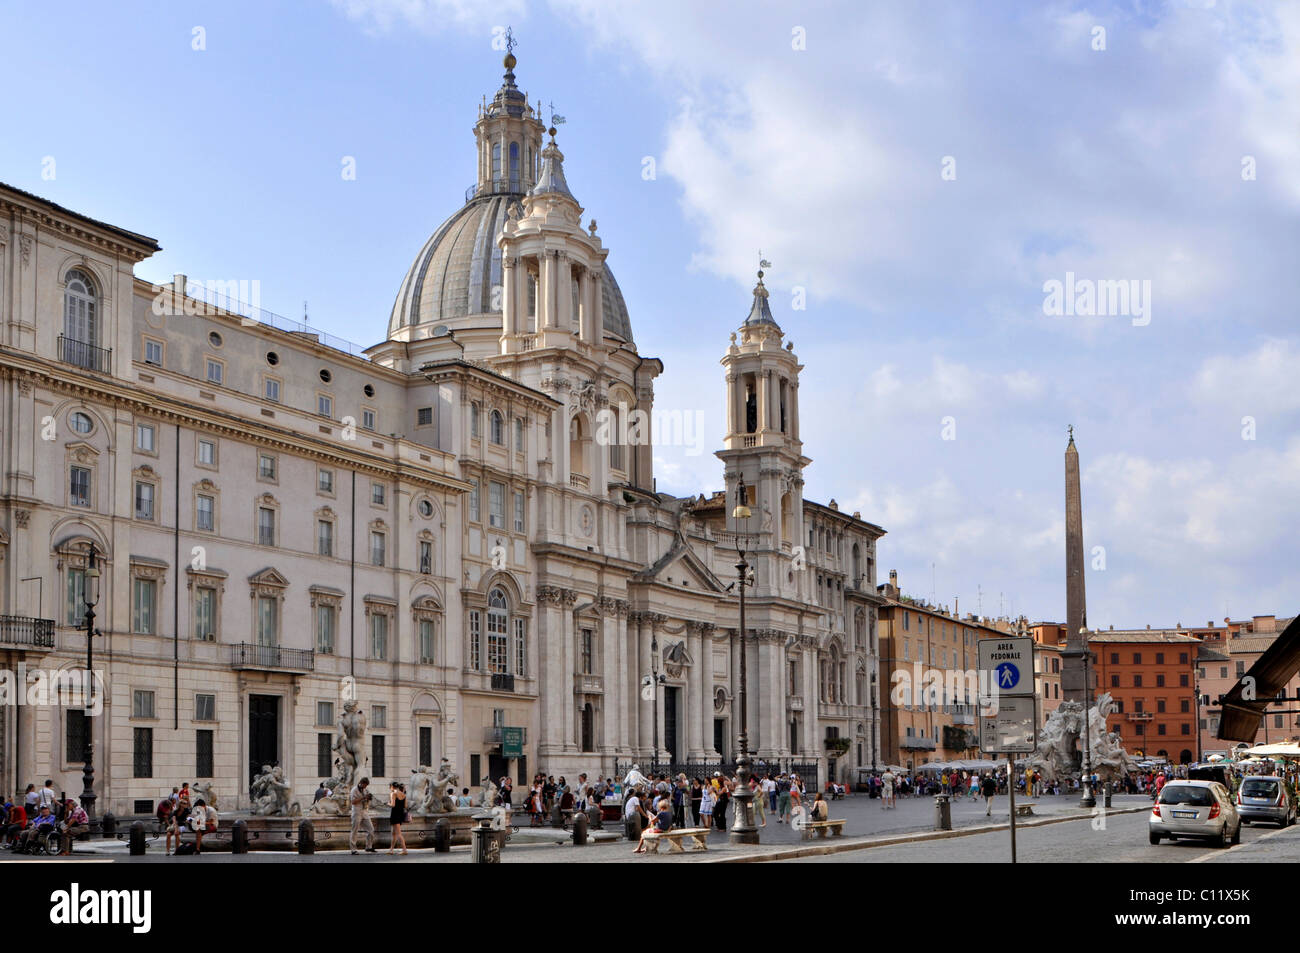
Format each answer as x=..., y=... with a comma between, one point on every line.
x=653, y=681
x=1088, y=798
x=743, y=829
x=91, y=598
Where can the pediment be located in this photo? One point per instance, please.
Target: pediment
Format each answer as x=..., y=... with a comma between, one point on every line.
x=268, y=577
x=683, y=566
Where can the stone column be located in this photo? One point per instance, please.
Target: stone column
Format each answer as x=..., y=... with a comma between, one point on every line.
x=564, y=683
x=705, y=689
x=546, y=316
x=1073, y=684
x=563, y=293
x=509, y=312
x=550, y=737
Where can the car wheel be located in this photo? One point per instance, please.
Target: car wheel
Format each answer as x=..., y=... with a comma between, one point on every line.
x=1154, y=837
x=1225, y=837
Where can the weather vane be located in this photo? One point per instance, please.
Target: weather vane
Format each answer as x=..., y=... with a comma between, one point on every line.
x=556, y=118
x=762, y=263
x=510, y=40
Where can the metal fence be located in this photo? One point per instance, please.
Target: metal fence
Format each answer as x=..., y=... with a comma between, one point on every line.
x=23, y=630
x=810, y=772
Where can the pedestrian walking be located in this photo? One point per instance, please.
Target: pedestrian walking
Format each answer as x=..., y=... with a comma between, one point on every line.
x=988, y=788
x=396, y=814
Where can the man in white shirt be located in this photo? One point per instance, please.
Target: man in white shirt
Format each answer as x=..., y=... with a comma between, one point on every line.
x=360, y=800
x=47, y=797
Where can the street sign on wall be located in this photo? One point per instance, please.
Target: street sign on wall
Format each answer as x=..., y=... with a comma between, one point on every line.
x=512, y=742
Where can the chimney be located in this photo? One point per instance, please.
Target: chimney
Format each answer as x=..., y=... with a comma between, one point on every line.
x=1112, y=626
x=956, y=613
x=178, y=285
x=835, y=506
x=893, y=578
x=1148, y=626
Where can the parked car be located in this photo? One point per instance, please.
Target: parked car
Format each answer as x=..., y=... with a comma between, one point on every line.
x=1266, y=798
x=1195, y=809
x=1213, y=772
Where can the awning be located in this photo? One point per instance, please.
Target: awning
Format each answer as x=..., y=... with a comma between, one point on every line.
x=1243, y=707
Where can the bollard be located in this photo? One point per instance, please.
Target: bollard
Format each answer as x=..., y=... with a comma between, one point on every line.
x=632, y=827
x=1108, y=792
x=108, y=825
x=594, y=821
x=942, y=813
x=137, y=844
x=487, y=845
x=239, y=837
x=306, y=837
x=579, y=829
x=557, y=816
x=442, y=837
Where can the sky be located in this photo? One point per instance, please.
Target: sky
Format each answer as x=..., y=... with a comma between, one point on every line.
x=919, y=175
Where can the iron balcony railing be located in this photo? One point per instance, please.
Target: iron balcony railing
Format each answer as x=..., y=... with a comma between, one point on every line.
x=503, y=683
x=918, y=744
x=501, y=186
x=85, y=355
x=17, y=630
x=248, y=655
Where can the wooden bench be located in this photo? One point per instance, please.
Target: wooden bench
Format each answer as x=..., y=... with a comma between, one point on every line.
x=698, y=835
x=821, y=827
x=1025, y=810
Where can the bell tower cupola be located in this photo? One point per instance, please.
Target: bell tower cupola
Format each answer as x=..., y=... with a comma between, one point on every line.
x=509, y=138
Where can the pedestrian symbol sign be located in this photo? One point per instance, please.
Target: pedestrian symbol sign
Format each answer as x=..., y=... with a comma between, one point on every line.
x=1006, y=666
x=1008, y=676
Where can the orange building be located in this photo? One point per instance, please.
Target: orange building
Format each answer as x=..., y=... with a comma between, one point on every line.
x=1151, y=674
x=1049, y=640
x=1227, y=653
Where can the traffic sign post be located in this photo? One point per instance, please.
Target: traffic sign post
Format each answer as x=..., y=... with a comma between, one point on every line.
x=1007, y=674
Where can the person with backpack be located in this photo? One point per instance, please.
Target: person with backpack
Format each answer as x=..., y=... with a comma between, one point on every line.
x=989, y=789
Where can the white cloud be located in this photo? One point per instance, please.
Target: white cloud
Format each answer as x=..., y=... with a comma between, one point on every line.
x=429, y=16
x=1259, y=382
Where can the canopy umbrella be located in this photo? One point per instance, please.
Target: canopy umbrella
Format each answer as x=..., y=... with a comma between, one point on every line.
x=1281, y=749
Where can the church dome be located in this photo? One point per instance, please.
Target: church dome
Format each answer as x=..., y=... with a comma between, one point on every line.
x=455, y=272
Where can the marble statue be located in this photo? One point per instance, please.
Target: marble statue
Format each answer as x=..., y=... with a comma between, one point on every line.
x=270, y=793
x=350, y=743
x=635, y=779
x=487, y=798
x=427, y=792
x=1061, y=743
x=209, y=795
x=337, y=803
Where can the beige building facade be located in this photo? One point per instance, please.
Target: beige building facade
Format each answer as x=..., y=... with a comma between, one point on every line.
x=458, y=527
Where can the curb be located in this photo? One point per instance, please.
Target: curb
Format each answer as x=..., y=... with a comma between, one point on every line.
x=832, y=848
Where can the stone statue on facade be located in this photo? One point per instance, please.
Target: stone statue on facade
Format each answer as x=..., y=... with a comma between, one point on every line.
x=1061, y=743
x=209, y=795
x=350, y=743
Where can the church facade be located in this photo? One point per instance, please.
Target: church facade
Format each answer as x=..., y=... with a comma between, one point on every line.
x=458, y=527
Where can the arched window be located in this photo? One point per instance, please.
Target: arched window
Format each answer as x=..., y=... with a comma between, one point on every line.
x=857, y=566
x=514, y=167
x=498, y=629
x=80, y=321
x=578, y=447
x=498, y=431
x=496, y=164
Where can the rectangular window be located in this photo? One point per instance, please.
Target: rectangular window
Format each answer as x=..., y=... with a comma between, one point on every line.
x=1182, y=681
x=205, y=707
x=325, y=755
x=205, y=614
x=424, y=417
x=377, y=542
x=367, y=420
x=265, y=526
x=144, y=437
x=268, y=611
x=142, y=758
x=379, y=716
x=325, y=481
x=1137, y=681
x=325, y=634
x=203, y=753
x=473, y=501
x=207, y=453
x=216, y=372
x=521, y=647
x=142, y=607
x=425, y=627
x=142, y=703
x=426, y=557
x=265, y=466
x=1160, y=658
x=153, y=353
x=474, y=412
x=1160, y=728
x=378, y=635
x=426, y=745
x=1137, y=658
x=588, y=640
x=1184, y=706
x=377, y=766
x=378, y=494
x=271, y=389
x=324, y=713
x=519, y=512
x=324, y=538
x=519, y=435
x=475, y=639
x=75, y=737
x=498, y=649
x=1160, y=681
x=144, y=501
x=76, y=601
x=79, y=487
x=205, y=513
x=1114, y=681
x=1186, y=727
x=325, y=405
x=496, y=504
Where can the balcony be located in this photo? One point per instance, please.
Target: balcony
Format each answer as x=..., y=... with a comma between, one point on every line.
x=579, y=480
x=492, y=736
x=275, y=658
x=515, y=185
x=18, y=631
x=917, y=744
x=85, y=355
x=503, y=683
x=589, y=684
x=795, y=702
x=1140, y=715
x=966, y=717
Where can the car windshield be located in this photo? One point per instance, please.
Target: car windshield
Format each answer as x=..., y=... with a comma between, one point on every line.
x=1253, y=787
x=1197, y=797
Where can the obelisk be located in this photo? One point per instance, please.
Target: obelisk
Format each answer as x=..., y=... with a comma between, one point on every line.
x=1073, y=683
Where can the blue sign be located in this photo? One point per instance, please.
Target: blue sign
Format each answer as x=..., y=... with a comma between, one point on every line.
x=1008, y=676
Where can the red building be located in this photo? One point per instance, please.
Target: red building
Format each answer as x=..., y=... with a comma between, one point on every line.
x=1151, y=674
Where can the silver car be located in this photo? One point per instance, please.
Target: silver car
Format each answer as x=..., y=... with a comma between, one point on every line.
x=1265, y=799
x=1195, y=809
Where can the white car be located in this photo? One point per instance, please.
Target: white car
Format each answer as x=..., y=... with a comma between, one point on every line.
x=1195, y=809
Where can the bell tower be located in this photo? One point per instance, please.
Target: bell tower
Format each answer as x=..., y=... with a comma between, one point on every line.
x=509, y=139
x=762, y=436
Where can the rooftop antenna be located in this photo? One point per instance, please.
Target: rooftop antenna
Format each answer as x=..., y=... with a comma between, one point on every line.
x=304, y=312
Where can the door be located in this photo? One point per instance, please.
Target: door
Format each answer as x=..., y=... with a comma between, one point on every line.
x=720, y=737
x=263, y=733
x=672, y=696
x=498, y=768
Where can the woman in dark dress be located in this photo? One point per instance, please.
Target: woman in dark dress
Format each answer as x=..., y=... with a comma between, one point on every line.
x=396, y=814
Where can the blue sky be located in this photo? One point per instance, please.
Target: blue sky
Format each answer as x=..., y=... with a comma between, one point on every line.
x=924, y=294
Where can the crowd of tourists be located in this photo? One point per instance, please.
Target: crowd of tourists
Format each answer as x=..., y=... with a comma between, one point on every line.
x=30, y=817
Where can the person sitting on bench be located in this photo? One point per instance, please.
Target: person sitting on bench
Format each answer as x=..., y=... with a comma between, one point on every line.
x=663, y=823
x=75, y=823
x=41, y=825
x=821, y=811
x=203, y=820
